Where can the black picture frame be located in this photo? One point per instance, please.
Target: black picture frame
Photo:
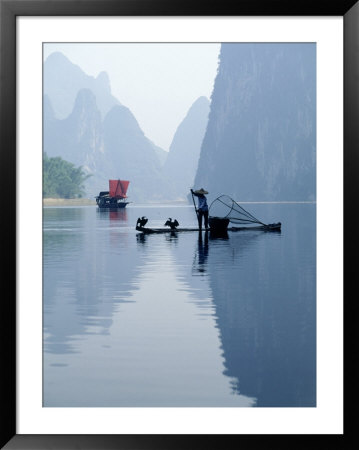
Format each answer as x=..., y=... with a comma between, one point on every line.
x=9, y=10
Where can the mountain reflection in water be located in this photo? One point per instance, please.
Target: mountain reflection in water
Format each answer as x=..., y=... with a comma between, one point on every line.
x=178, y=319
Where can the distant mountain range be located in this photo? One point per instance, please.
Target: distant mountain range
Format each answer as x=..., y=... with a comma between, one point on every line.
x=63, y=80
x=255, y=140
x=86, y=125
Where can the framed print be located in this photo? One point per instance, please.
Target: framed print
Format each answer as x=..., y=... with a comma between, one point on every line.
x=174, y=180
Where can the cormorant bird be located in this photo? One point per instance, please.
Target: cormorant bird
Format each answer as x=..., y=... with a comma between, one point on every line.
x=141, y=221
x=173, y=225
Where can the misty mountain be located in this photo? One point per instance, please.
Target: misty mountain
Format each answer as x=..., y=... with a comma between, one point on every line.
x=161, y=154
x=63, y=80
x=113, y=148
x=133, y=156
x=79, y=139
x=260, y=142
x=181, y=163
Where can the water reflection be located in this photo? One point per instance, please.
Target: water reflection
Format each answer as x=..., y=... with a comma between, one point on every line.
x=171, y=236
x=265, y=311
x=86, y=281
x=264, y=308
x=112, y=214
x=201, y=255
x=141, y=238
x=173, y=319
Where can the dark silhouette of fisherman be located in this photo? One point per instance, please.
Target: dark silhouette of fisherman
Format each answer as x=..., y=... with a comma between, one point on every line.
x=202, y=211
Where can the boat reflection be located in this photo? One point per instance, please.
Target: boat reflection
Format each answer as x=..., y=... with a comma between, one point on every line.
x=113, y=214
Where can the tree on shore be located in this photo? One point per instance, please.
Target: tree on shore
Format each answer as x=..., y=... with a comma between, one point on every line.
x=62, y=179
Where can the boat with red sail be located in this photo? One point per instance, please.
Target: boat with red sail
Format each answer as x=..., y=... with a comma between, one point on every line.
x=115, y=197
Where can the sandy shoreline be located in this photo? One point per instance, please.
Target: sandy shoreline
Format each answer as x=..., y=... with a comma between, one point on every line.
x=68, y=202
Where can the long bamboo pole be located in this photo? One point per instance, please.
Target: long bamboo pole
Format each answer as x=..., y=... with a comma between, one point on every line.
x=194, y=203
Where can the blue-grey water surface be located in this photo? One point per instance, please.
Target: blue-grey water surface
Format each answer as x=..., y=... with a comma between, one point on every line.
x=184, y=320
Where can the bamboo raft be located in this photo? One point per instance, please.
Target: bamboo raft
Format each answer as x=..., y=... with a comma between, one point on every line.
x=270, y=227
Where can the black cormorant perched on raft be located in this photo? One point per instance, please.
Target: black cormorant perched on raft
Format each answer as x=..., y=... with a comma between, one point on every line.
x=141, y=221
x=172, y=224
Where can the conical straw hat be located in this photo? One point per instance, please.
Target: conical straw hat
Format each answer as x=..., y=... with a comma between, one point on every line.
x=200, y=191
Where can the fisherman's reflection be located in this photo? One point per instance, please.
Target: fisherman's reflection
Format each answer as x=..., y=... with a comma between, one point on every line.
x=202, y=252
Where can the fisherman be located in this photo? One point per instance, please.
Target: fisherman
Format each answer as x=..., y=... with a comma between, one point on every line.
x=202, y=207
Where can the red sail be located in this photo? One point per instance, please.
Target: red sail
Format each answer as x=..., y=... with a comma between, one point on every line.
x=118, y=188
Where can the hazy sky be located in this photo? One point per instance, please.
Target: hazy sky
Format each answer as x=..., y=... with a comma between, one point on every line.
x=158, y=82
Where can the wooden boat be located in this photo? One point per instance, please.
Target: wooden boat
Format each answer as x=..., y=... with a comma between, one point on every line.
x=115, y=197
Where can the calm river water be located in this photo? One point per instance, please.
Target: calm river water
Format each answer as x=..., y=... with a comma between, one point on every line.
x=185, y=320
